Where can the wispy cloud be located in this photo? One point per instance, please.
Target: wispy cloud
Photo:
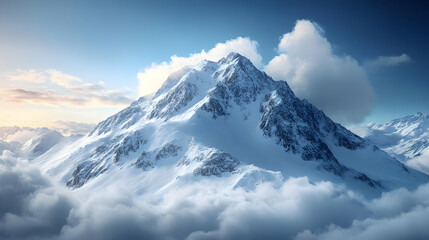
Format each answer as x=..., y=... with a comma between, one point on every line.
x=71, y=127
x=48, y=97
x=30, y=75
x=62, y=79
x=58, y=88
x=389, y=60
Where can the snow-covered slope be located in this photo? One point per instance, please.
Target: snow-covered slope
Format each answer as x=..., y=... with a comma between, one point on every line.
x=228, y=122
x=43, y=140
x=29, y=142
x=406, y=139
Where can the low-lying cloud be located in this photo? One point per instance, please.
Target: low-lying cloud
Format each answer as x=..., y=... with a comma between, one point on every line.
x=30, y=206
x=16, y=134
x=33, y=207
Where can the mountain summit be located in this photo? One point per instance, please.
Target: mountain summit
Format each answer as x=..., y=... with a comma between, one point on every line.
x=226, y=122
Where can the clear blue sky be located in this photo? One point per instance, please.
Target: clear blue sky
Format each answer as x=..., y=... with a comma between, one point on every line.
x=113, y=40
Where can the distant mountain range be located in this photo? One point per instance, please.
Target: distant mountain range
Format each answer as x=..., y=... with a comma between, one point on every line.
x=406, y=139
x=29, y=142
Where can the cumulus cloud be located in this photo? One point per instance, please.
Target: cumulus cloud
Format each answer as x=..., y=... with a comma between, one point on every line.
x=20, y=135
x=68, y=90
x=154, y=76
x=389, y=60
x=31, y=206
x=296, y=209
x=338, y=85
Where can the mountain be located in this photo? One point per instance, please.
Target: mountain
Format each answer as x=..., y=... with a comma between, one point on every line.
x=27, y=142
x=228, y=123
x=406, y=139
x=43, y=140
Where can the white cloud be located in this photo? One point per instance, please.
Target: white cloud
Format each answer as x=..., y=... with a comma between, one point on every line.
x=21, y=136
x=30, y=206
x=154, y=76
x=62, y=79
x=33, y=207
x=338, y=85
x=397, y=215
x=389, y=60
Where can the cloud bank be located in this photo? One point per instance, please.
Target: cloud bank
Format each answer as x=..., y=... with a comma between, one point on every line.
x=338, y=85
x=152, y=78
x=32, y=207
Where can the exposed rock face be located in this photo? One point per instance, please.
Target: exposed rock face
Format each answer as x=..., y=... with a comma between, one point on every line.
x=84, y=172
x=149, y=134
x=176, y=99
x=112, y=151
x=216, y=164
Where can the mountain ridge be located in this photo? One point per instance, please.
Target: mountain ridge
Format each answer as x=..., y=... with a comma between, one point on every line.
x=237, y=116
x=406, y=139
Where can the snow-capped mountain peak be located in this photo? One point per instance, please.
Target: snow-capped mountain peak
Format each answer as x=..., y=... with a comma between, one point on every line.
x=218, y=119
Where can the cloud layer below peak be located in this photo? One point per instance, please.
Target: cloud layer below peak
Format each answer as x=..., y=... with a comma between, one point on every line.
x=34, y=207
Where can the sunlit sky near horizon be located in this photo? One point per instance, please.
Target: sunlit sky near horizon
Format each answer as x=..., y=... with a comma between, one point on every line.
x=79, y=61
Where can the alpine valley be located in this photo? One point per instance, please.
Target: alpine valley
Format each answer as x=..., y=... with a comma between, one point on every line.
x=228, y=124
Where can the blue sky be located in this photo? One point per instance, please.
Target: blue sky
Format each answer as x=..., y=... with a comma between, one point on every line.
x=111, y=41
